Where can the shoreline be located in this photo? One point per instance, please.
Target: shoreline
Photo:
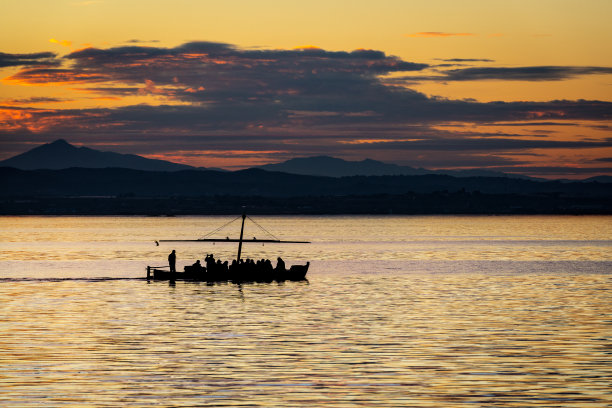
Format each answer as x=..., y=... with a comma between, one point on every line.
x=439, y=203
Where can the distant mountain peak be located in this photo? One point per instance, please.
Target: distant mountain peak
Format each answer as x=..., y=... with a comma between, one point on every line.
x=60, y=142
x=335, y=167
x=60, y=154
x=59, y=145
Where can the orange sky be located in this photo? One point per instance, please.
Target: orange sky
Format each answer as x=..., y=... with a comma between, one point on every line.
x=517, y=86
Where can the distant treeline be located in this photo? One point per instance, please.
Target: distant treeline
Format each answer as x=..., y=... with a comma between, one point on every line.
x=460, y=202
x=132, y=192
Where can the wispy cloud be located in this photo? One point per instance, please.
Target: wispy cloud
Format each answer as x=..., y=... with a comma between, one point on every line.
x=438, y=34
x=465, y=59
x=536, y=73
x=50, y=76
x=39, y=58
x=136, y=41
x=491, y=144
x=555, y=171
x=31, y=101
x=64, y=43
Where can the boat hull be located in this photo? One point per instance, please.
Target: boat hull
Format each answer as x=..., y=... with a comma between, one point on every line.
x=294, y=273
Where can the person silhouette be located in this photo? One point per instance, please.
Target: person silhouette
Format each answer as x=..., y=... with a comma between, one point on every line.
x=172, y=261
x=210, y=263
x=280, y=264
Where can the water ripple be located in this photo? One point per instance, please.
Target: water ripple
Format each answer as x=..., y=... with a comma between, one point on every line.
x=417, y=340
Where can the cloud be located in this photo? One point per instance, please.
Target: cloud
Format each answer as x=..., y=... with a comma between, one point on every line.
x=225, y=87
x=538, y=73
x=39, y=58
x=207, y=96
x=48, y=76
x=443, y=159
x=224, y=70
x=439, y=34
x=64, y=43
x=559, y=171
x=491, y=144
x=31, y=101
x=136, y=41
x=465, y=59
x=535, y=73
x=525, y=124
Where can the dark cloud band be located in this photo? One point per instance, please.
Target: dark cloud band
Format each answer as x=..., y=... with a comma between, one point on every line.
x=536, y=73
x=39, y=58
x=215, y=96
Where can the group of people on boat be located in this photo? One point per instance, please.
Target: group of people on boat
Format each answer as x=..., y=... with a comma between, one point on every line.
x=214, y=270
x=239, y=270
x=215, y=267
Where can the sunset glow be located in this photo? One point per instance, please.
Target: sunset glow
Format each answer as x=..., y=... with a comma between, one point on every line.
x=402, y=83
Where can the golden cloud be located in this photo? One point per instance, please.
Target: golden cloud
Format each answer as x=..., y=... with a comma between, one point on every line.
x=64, y=43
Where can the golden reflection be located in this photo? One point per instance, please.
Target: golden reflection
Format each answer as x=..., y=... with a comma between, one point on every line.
x=399, y=311
x=385, y=341
x=368, y=238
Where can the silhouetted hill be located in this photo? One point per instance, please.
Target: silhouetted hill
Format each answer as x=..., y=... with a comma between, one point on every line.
x=126, y=191
x=62, y=155
x=334, y=167
x=252, y=182
x=599, y=179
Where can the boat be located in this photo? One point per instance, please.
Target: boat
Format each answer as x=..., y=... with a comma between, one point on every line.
x=294, y=273
x=238, y=271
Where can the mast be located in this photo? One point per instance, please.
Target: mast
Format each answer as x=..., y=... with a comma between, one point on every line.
x=241, y=234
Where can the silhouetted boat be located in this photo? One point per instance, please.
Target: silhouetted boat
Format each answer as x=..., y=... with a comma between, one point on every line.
x=238, y=271
x=294, y=273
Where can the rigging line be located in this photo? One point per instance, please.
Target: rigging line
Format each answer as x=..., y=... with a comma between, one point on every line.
x=263, y=229
x=220, y=228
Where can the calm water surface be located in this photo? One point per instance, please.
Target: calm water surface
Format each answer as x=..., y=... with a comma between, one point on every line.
x=398, y=311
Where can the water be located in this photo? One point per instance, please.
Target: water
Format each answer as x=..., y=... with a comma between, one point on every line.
x=398, y=311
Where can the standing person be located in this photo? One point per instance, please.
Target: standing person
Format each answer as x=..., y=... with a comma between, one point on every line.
x=172, y=261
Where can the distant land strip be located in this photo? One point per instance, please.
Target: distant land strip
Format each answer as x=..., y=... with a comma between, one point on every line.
x=437, y=203
x=115, y=191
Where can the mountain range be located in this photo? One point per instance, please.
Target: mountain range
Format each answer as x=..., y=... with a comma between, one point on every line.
x=78, y=180
x=62, y=155
x=334, y=167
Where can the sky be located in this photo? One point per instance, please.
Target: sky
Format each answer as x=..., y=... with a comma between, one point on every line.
x=516, y=86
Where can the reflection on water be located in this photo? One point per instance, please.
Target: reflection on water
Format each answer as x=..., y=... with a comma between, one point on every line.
x=412, y=340
x=376, y=325
x=404, y=238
